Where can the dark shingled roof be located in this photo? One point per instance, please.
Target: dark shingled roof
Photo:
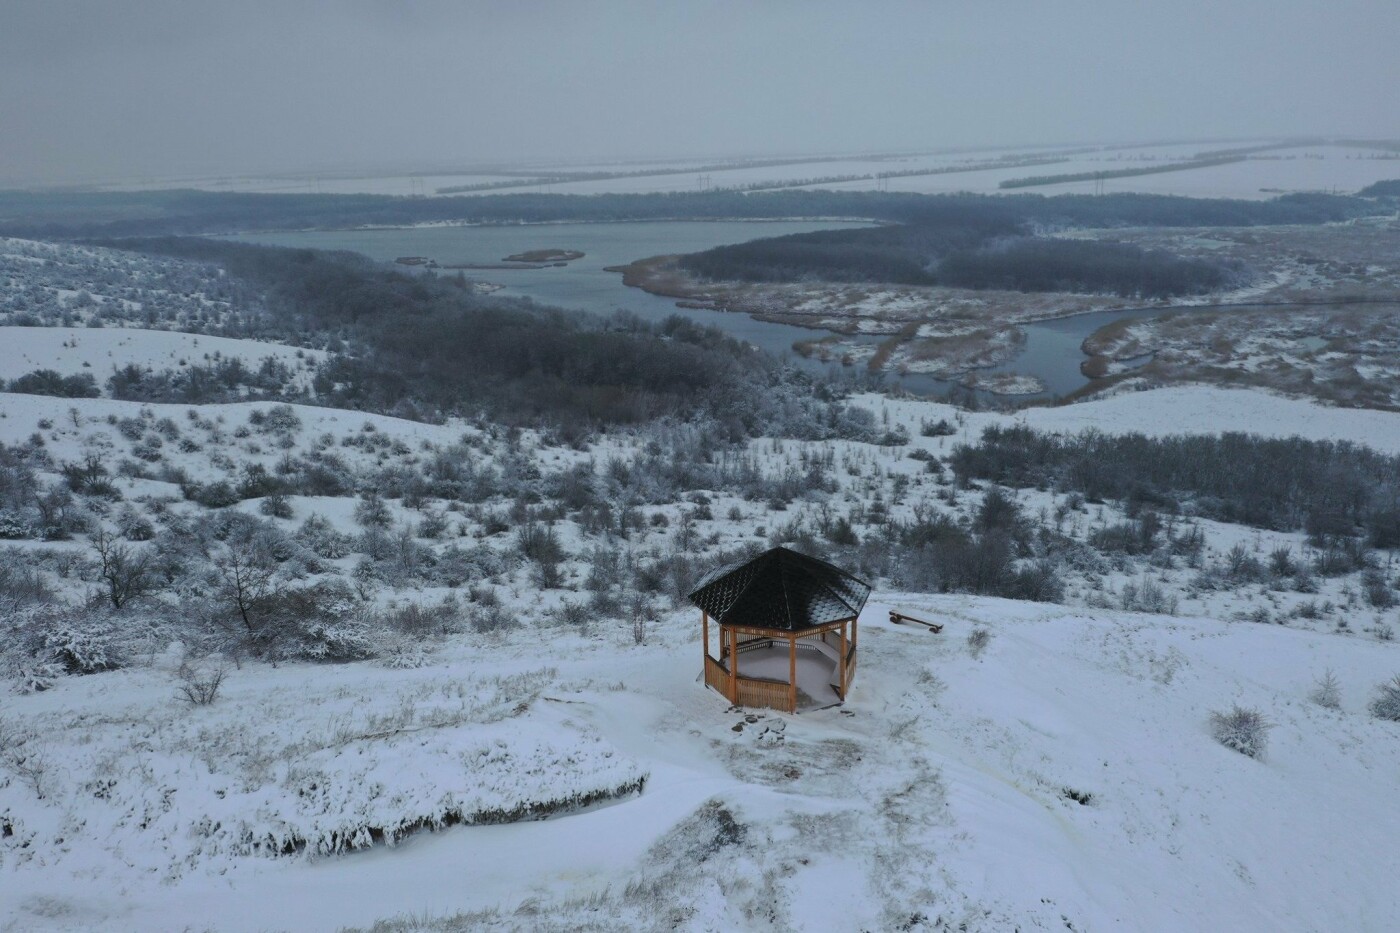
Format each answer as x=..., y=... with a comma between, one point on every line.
x=780, y=589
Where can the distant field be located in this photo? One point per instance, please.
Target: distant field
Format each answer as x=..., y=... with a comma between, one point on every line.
x=1261, y=174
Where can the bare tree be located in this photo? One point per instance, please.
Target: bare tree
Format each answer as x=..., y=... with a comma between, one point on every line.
x=245, y=579
x=124, y=573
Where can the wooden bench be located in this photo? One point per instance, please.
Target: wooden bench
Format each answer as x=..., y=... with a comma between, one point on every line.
x=831, y=654
x=900, y=618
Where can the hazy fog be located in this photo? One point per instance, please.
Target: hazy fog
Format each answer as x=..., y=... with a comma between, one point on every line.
x=160, y=87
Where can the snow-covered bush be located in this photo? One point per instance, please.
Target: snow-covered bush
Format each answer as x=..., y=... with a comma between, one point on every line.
x=1327, y=691
x=36, y=677
x=133, y=525
x=1147, y=596
x=1242, y=729
x=53, y=638
x=1386, y=705
x=977, y=641
x=14, y=527
x=81, y=651
x=320, y=622
x=20, y=584
x=1378, y=589
x=276, y=506
x=279, y=419
x=318, y=534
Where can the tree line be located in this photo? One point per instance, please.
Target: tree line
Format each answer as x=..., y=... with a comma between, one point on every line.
x=423, y=347
x=77, y=214
x=1330, y=489
x=970, y=251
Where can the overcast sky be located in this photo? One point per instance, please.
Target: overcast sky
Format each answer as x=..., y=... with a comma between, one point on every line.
x=117, y=88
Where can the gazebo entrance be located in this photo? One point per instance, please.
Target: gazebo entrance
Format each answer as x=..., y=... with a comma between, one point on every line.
x=786, y=627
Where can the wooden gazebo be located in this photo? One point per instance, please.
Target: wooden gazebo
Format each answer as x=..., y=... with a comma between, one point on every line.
x=791, y=619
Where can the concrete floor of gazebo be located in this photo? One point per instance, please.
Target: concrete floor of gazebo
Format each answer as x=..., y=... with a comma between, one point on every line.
x=815, y=672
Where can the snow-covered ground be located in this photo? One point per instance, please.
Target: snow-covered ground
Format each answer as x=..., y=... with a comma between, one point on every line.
x=1209, y=410
x=70, y=351
x=1064, y=776
x=946, y=793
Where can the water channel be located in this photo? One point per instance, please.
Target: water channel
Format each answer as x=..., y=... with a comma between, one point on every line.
x=1051, y=352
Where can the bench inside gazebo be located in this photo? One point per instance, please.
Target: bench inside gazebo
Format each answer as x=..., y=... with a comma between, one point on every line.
x=786, y=628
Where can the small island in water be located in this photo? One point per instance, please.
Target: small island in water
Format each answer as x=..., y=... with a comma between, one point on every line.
x=545, y=255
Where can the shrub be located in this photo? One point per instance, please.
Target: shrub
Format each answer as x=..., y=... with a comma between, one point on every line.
x=1327, y=691
x=1241, y=566
x=1148, y=596
x=1377, y=588
x=977, y=641
x=48, y=382
x=21, y=585
x=82, y=649
x=1242, y=729
x=841, y=533
x=280, y=419
x=1038, y=581
x=124, y=574
x=319, y=622
x=939, y=428
x=433, y=525
x=318, y=534
x=371, y=512
x=200, y=686
x=1386, y=705
x=215, y=495
x=36, y=677
x=13, y=527
x=276, y=506
x=420, y=620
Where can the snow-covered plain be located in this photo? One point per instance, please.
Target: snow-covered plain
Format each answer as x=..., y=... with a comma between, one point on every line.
x=1333, y=170
x=1344, y=168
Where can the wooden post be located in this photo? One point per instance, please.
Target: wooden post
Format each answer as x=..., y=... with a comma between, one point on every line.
x=841, y=659
x=733, y=666
x=792, y=673
x=705, y=644
x=855, y=639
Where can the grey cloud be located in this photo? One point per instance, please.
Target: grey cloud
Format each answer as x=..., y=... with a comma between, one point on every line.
x=98, y=89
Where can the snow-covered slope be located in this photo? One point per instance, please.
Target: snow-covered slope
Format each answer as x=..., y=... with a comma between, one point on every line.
x=1064, y=777
x=942, y=796
x=69, y=350
x=1174, y=410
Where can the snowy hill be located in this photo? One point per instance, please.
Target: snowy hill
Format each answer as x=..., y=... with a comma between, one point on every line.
x=1064, y=777
x=450, y=688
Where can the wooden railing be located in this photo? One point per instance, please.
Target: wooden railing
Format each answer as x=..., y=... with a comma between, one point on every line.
x=716, y=676
x=772, y=694
x=746, y=642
